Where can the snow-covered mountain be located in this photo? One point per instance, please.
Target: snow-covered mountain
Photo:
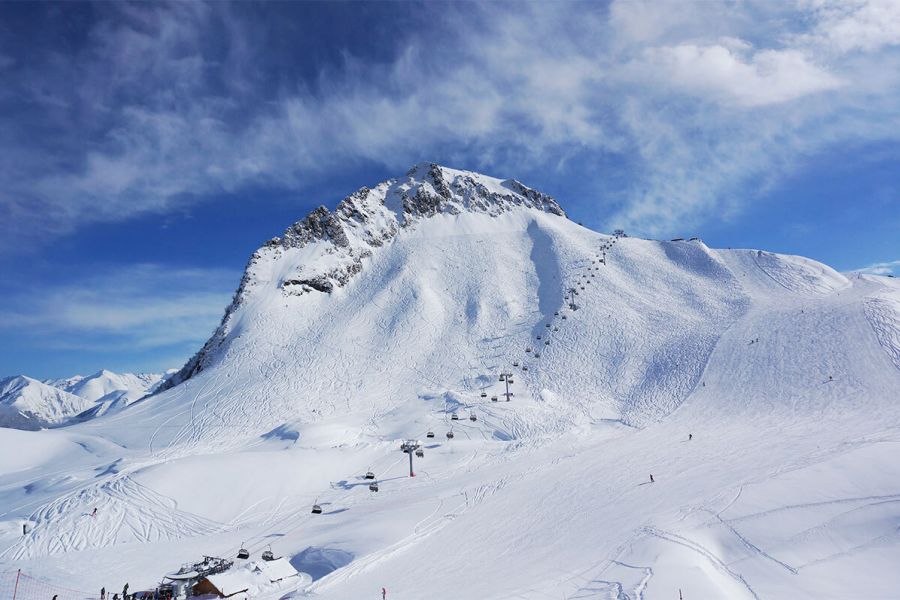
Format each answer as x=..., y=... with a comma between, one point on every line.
x=26, y=403
x=106, y=385
x=758, y=389
x=323, y=251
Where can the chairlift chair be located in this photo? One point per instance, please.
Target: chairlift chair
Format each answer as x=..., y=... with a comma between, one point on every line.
x=547, y=343
x=524, y=368
x=316, y=509
x=373, y=487
x=511, y=382
x=502, y=377
x=538, y=337
x=420, y=453
x=268, y=555
x=537, y=354
x=472, y=417
x=454, y=417
x=243, y=552
x=449, y=435
x=484, y=394
x=430, y=434
x=516, y=363
x=528, y=349
x=493, y=398
x=370, y=475
x=556, y=314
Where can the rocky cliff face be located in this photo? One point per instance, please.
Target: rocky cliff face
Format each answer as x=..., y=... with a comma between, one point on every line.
x=326, y=249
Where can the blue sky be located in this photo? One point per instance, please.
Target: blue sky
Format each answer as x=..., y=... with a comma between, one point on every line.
x=147, y=149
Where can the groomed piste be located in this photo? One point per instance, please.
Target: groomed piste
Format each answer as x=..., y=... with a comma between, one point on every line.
x=758, y=390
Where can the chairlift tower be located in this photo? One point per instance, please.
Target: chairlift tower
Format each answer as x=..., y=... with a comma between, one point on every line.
x=506, y=379
x=410, y=447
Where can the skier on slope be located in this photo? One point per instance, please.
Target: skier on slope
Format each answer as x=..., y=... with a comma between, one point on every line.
x=383, y=593
x=651, y=478
x=103, y=593
x=94, y=514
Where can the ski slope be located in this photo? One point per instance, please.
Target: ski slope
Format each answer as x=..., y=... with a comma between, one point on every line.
x=783, y=371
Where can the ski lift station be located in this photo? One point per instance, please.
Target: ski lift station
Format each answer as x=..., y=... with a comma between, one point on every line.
x=251, y=579
x=221, y=578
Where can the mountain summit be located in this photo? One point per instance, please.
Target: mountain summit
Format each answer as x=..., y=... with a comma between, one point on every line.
x=325, y=249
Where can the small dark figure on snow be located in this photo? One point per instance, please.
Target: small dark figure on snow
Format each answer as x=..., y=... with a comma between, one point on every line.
x=94, y=514
x=103, y=593
x=115, y=597
x=54, y=596
x=651, y=478
x=383, y=593
x=690, y=436
x=24, y=529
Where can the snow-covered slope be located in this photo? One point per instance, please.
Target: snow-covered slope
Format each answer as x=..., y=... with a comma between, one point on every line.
x=26, y=403
x=381, y=320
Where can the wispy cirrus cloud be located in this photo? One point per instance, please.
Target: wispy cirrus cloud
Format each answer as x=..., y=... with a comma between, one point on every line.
x=137, y=307
x=699, y=104
x=882, y=268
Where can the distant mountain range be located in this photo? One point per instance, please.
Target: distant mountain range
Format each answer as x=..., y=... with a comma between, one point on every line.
x=26, y=403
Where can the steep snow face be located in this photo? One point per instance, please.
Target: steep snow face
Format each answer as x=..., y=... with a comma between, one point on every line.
x=26, y=403
x=326, y=249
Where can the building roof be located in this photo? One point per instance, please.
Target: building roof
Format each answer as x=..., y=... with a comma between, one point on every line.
x=276, y=570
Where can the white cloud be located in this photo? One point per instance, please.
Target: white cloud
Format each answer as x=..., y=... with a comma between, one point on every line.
x=139, y=306
x=882, y=268
x=851, y=25
x=736, y=74
x=674, y=93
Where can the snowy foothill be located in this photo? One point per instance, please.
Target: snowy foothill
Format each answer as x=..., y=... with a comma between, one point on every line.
x=682, y=419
